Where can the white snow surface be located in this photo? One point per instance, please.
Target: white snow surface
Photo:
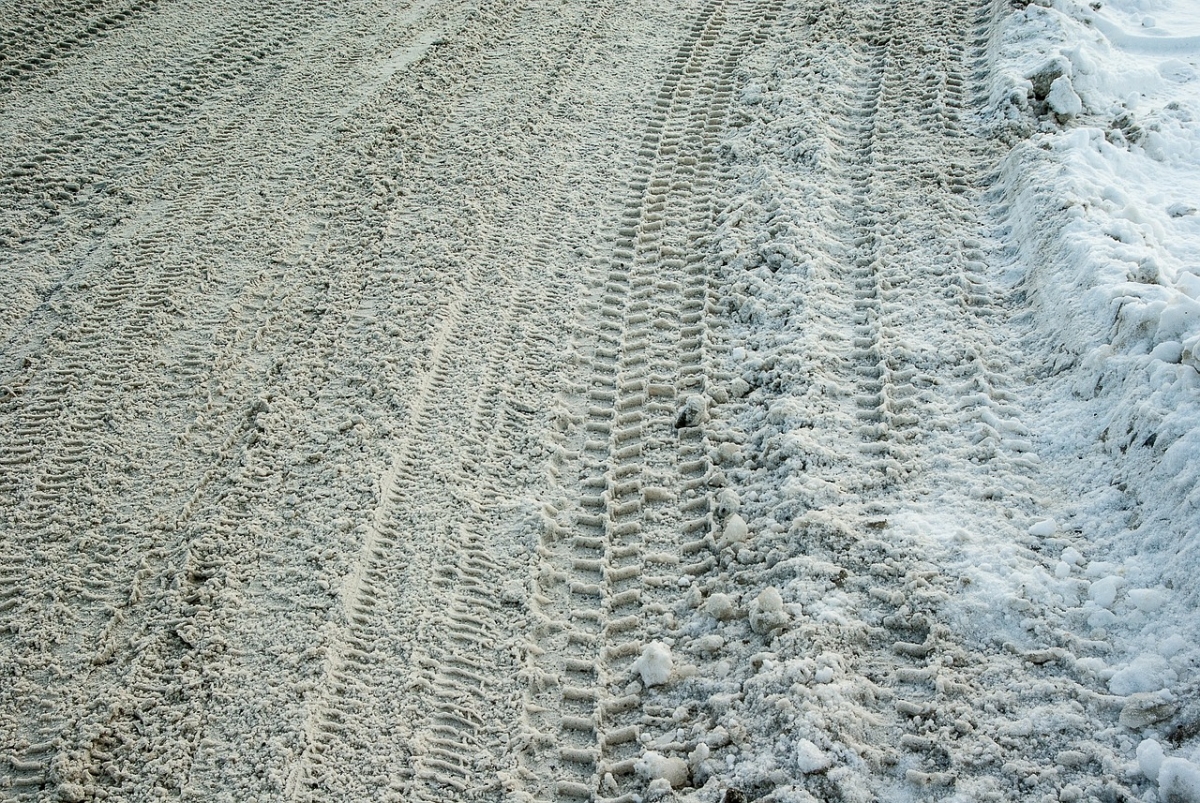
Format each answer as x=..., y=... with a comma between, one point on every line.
x=723, y=400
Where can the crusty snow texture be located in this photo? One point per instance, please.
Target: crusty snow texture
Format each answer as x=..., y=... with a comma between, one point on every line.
x=715, y=400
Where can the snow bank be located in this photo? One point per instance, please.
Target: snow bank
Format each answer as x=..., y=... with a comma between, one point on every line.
x=1099, y=197
x=1104, y=206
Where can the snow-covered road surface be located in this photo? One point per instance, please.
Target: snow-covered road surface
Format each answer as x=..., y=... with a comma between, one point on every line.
x=715, y=400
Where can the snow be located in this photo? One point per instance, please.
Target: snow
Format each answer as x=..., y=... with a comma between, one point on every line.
x=736, y=531
x=655, y=767
x=1150, y=758
x=1179, y=780
x=654, y=665
x=1044, y=528
x=1062, y=98
x=702, y=401
x=810, y=758
x=1145, y=673
x=1104, y=592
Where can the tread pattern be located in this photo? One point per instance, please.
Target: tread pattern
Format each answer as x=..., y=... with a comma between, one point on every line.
x=37, y=37
x=871, y=199
x=155, y=598
x=616, y=546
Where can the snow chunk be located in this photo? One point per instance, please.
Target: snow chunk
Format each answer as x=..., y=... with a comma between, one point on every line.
x=654, y=665
x=1145, y=673
x=810, y=758
x=720, y=607
x=1148, y=599
x=693, y=413
x=1179, y=781
x=736, y=530
x=1169, y=352
x=728, y=503
x=655, y=766
x=1044, y=528
x=514, y=592
x=708, y=644
x=1063, y=99
x=1104, y=592
x=70, y=792
x=766, y=612
x=1150, y=758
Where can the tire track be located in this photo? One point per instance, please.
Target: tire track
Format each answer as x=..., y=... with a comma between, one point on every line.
x=607, y=580
x=91, y=153
x=891, y=273
x=144, y=611
x=33, y=44
x=231, y=531
x=457, y=715
x=892, y=257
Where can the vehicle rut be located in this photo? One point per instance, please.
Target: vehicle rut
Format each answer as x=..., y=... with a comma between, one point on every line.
x=634, y=502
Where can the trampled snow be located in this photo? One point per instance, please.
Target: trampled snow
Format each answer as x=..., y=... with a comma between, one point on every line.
x=724, y=400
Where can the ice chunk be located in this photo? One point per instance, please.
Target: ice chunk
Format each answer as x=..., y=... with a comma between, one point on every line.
x=1142, y=710
x=654, y=665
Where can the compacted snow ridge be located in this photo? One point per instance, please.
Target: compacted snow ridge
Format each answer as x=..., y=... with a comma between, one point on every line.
x=709, y=401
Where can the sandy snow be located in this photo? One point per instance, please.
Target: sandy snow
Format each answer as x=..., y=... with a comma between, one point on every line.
x=722, y=400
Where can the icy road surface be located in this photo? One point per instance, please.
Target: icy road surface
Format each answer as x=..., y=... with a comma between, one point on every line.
x=611, y=400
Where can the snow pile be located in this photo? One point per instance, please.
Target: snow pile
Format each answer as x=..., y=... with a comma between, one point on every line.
x=1100, y=197
x=1103, y=198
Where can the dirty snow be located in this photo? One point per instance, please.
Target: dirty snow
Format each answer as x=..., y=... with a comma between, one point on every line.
x=728, y=400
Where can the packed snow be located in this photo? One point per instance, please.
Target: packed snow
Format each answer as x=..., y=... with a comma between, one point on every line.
x=716, y=401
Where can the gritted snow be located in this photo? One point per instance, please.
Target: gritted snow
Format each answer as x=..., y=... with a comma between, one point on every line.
x=709, y=401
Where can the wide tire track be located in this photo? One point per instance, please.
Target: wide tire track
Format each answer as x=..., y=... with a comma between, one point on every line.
x=434, y=582
x=886, y=254
x=616, y=542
